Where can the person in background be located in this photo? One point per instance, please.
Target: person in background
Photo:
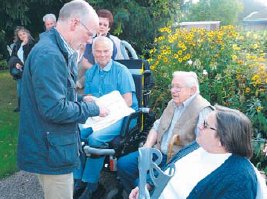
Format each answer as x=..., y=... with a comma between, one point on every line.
x=176, y=127
x=23, y=44
x=105, y=24
x=48, y=141
x=50, y=21
x=102, y=78
x=216, y=165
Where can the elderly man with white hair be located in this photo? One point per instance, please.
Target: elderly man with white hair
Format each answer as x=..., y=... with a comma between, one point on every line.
x=102, y=78
x=176, y=127
x=50, y=21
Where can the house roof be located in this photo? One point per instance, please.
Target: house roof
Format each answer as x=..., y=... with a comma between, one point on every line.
x=257, y=15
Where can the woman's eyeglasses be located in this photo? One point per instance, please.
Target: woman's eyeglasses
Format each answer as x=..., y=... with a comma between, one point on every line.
x=207, y=126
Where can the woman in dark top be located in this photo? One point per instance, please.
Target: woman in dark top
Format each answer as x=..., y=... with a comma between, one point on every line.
x=22, y=47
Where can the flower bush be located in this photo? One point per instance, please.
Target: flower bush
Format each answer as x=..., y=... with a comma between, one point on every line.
x=231, y=66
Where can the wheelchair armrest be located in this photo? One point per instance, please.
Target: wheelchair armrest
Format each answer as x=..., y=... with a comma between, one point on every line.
x=127, y=120
x=97, y=151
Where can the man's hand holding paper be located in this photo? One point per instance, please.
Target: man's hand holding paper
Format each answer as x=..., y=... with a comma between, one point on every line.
x=114, y=105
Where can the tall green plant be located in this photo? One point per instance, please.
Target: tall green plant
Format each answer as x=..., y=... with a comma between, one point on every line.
x=231, y=66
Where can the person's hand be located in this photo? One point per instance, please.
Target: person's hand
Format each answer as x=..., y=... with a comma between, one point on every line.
x=18, y=66
x=89, y=98
x=103, y=111
x=146, y=145
x=25, y=41
x=134, y=193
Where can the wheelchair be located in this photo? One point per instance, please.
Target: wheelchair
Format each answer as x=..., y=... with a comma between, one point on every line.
x=130, y=139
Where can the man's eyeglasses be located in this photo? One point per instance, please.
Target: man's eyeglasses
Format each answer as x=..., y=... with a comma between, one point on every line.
x=90, y=34
x=175, y=88
x=207, y=126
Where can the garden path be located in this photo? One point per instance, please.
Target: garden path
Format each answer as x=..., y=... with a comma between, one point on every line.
x=24, y=185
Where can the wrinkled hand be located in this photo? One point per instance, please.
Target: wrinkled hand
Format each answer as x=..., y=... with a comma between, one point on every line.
x=134, y=193
x=103, y=111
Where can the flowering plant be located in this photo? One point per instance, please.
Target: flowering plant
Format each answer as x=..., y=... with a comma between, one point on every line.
x=231, y=66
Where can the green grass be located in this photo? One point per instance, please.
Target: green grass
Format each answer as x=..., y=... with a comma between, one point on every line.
x=8, y=124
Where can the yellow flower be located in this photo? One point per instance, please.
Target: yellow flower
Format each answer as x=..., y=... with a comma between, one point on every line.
x=259, y=108
x=152, y=51
x=165, y=60
x=234, y=57
x=247, y=90
x=255, y=78
x=235, y=47
x=255, y=46
x=241, y=38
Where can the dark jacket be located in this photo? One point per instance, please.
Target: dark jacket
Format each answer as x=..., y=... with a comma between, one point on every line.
x=234, y=179
x=48, y=140
x=14, y=59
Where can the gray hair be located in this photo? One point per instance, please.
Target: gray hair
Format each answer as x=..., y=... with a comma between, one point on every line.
x=102, y=39
x=51, y=17
x=76, y=8
x=190, y=79
x=234, y=130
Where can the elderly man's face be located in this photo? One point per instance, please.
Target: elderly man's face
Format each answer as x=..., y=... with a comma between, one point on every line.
x=102, y=53
x=179, y=91
x=49, y=24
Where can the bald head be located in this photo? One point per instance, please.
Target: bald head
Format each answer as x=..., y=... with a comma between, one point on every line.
x=77, y=23
x=77, y=9
x=102, y=40
x=102, y=50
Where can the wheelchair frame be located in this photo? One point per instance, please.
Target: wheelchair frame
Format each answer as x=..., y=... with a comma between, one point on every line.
x=130, y=139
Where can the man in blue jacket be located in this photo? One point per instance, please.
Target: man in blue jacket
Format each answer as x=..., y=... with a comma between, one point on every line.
x=48, y=143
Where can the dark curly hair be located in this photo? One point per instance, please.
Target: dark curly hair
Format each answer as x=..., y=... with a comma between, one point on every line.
x=104, y=13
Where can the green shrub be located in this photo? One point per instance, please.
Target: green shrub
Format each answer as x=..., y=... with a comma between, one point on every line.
x=3, y=65
x=231, y=67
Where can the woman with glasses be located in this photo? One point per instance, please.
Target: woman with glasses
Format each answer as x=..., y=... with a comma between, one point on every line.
x=216, y=165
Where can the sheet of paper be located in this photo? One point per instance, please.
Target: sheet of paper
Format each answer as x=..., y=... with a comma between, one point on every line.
x=117, y=110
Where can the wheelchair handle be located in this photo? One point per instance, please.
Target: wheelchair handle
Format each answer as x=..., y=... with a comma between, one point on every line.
x=97, y=151
x=144, y=109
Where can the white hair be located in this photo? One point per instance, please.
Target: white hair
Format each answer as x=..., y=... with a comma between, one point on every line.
x=102, y=39
x=190, y=78
x=51, y=17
